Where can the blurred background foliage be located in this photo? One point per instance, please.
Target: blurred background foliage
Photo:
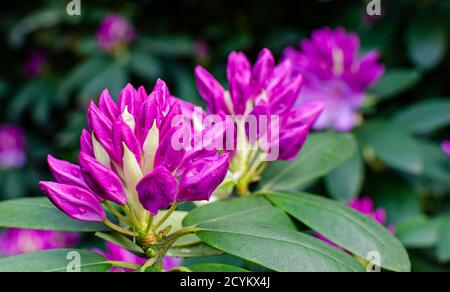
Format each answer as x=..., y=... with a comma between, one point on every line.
x=400, y=163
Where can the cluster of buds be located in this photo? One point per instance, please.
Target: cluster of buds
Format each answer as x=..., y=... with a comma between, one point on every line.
x=115, y=33
x=129, y=157
x=334, y=73
x=259, y=108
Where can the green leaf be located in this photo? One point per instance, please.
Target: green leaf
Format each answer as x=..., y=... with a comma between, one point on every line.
x=113, y=78
x=321, y=154
x=145, y=66
x=419, y=232
x=426, y=116
x=395, y=82
x=348, y=228
x=427, y=42
x=122, y=241
x=57, y=260
x=39, y=213
x=443, y=247
x=192, y=251
x=392, y=144
x=276, y=248
x=346, y=181
x=435, y=163
x=215, y=268
x=256, y=209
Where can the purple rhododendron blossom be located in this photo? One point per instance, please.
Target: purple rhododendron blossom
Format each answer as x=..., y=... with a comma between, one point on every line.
x=12, y=147
x=264, y=89
x=446, y=147
x=128, y=157
x=115, y=31
x=334, y=73
x=19, y=241
x=260, y=107
x=117, y=253
x=365, y=206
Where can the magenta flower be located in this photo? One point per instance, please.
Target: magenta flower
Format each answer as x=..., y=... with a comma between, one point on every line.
x=117, y=253
x=264, y=90
x=334, y=73
x=35, y=64
x=446, y=147
x=365, y=206
x=115, y=32
x=19, y=241
x=129, y=157
x=12, y=147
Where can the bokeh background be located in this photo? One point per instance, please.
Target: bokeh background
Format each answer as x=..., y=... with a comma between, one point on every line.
x=51, y=67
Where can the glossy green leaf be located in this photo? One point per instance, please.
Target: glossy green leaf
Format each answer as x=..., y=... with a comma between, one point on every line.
x=192, y=251
x=322, y=153
x=348, y=228
x=57, y=260
x=39, y=213
x=426, y=116
x=443, y=247
x=395, y=82
x=256, y=209
x=419, y=232
x=345, y=182
x=276, y=248
x=216, y=268
x=435, y=163
x=392, y=144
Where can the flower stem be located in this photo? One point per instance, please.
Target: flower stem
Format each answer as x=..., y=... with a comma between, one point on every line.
x=149, y=223
x=165, y=217
x=116, y=213
x=123, y=265
x=119, y=229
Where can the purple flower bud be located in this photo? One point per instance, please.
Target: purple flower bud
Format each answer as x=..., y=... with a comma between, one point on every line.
x=163, y=97
x=123, y=134
x=263, y=69
x=167, y=155
x=127, y=99
x=66, y=172
x=157, y=190
x=86, y=143
x=107, y=106
x=102, y=128
x=76, y=202
x=115, y=31
x=102, y=180
x=211, y=90
x=202, y=177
